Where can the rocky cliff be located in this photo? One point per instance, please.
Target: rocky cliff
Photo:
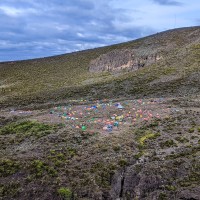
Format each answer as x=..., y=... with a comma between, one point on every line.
x=125, y=59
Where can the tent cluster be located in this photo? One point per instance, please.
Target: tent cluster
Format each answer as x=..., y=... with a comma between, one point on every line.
x=107, y=116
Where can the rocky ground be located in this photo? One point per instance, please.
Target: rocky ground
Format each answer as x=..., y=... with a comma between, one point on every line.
x=103, y=149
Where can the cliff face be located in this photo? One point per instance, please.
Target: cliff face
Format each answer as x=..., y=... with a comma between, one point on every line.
x=125, y=59
x=160, y=47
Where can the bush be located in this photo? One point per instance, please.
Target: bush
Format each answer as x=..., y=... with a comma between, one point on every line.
x=39, y=169
x=27, y=129
x=8, y=167
x=182, y=139
x=148, y=136
x=65, y=193
x=122, y=162
x=168, y=143
x=116, y=148
x=191, y=130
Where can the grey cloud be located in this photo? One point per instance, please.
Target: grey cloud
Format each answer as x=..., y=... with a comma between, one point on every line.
x=168, y=2
x=61, y=26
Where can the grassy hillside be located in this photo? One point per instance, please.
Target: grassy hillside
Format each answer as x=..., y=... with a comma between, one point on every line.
x=67, y=75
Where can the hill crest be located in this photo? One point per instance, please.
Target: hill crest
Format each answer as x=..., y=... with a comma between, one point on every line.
x=71, y=75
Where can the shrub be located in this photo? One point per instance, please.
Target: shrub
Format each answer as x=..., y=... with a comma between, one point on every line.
x=162, y=196
x=39, y=169
x=27, y=129
x=65, y=193
x=116, y=148
x=122, y=162
x=170, y=187
x=8, y=167
x=148, y=136
x=9, y=190
x=168, y=143
x=143, y=135
x=191, y=130
x=182, y=139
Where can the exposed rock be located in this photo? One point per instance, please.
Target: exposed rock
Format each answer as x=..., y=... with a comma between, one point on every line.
x=190, y=194
x=116, y=185
x=129, y=184
x=125, y=59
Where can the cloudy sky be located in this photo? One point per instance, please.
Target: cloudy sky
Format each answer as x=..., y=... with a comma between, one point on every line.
x=40, y=28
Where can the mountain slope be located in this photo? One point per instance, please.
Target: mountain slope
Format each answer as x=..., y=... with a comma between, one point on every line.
x=69, y=75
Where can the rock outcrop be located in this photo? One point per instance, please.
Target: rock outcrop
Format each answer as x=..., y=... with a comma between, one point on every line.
x=124, y=59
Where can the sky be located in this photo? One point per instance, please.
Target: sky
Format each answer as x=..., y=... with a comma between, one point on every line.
x=40, y=28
